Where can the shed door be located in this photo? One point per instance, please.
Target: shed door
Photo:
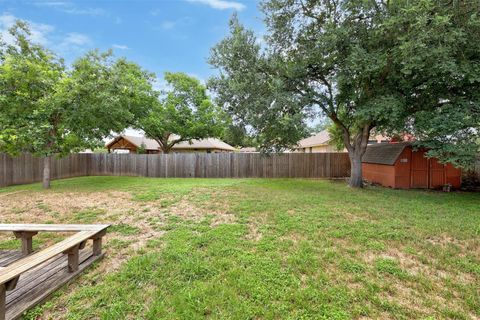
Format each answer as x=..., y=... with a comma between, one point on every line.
x=437, y=174
x=419, y=170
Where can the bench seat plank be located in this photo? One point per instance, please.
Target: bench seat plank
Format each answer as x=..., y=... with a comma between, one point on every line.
x=20, y=266
x=53, y=227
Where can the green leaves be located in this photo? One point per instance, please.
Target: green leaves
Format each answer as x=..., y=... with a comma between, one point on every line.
x=47, y=109
x=250, y=89
x=388, y=66
x=184, y=112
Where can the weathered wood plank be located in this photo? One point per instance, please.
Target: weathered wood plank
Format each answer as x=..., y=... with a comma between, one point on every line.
x=9, y=256
x=17, y=227
x=18, y=267
x=29, y=280
x=43, y=289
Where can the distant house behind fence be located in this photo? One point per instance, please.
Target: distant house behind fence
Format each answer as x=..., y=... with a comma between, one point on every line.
x=131, y=144
x=322, y=142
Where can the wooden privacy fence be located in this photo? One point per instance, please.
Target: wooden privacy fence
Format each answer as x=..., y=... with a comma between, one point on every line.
x=27, y=169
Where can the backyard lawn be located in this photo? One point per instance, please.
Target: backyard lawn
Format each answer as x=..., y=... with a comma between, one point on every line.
x=260, y=249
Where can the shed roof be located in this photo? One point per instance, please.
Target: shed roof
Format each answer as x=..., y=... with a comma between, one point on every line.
x=384, y=153
x=150, y=144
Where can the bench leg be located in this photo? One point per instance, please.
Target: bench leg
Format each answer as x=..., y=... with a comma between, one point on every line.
x=73, y=255
x=27, y=243
x=3, y=298
x=97, y=246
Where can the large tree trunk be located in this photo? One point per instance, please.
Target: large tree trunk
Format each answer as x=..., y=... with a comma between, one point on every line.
x=356, y=180
x=356, y=149
x=46, y=172
x=165, y=149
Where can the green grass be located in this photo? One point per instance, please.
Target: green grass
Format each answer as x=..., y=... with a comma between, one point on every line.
x=290, y=249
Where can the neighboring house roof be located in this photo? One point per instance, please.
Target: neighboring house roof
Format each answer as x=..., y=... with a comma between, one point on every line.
x=384, y=153
x=379, y=138
x=208, y=143
x=150, y=144
x=248, y=150
x=321, y=138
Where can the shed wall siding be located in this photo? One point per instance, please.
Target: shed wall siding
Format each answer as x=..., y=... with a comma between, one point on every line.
x=402, y=169
x=413, y=170
x=419, y=172
x=379, y=173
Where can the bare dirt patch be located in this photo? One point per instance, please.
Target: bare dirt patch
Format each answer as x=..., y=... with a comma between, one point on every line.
x=115, y=208
x=410, y=293
x=133, y=222
x=203, y=203
x=253, y=233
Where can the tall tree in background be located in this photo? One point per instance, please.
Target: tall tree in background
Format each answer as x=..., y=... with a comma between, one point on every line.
x=366, y=64
x=237, y=135
x=438, y=53
x=183, y=113
x=47, y=109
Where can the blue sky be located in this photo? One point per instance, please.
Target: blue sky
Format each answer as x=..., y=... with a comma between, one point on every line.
x=162, y=35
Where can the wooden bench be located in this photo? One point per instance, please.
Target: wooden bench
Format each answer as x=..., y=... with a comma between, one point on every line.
x=71, y=246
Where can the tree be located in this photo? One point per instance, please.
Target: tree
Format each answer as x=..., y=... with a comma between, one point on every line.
x=47, y=109
x=142, y=148
x=439, y=56
x=183, y=113
x=237, y=135
x=323, y=124
x=347, y=58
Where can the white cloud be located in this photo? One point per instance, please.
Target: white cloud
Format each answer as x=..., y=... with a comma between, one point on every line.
x=155, y=12
x=68, y=45
x=39, y=31
x=76, y=39
x=171, y=24
x=167, y=25
x=120, y=47
x=221, y=4
x=72, y=44
x=71, y=8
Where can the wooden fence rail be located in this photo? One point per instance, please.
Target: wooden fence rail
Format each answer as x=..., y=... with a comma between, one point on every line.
x=27, y=169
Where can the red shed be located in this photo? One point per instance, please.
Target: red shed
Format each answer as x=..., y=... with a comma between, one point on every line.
x=397, y=165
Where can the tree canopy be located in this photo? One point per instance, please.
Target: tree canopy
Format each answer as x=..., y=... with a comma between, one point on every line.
x=47, y=108
x=182, y=113
x=392, y=66
x=237, y=135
